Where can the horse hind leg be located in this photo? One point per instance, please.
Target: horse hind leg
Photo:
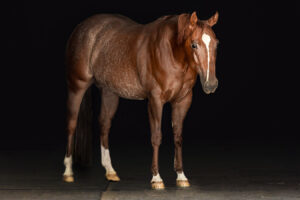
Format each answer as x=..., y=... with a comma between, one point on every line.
x=109, y=104
x=73, y=105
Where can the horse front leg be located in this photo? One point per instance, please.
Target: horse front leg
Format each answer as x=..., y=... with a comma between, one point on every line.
x=179, y=110
x=155, y=106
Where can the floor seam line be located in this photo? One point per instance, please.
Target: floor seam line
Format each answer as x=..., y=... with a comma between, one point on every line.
x=105, y=189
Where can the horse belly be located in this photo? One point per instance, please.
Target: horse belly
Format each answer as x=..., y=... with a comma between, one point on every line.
x=121, y=80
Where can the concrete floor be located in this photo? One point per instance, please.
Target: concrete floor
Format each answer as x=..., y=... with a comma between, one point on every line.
x=215, y=172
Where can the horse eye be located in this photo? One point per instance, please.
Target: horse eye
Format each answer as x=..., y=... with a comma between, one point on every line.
x=194, y=45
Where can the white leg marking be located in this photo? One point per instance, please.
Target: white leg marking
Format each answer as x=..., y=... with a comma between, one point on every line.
x=206, y=40
x=68, y=165
x=181, y=177
x=156, y=178
x=106, y=162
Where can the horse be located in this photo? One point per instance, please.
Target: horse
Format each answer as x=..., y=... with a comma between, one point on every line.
x=158, y=61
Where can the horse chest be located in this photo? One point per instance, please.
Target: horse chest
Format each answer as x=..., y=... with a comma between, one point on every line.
x=185, y=86
x=173, y=88
x=177, y=83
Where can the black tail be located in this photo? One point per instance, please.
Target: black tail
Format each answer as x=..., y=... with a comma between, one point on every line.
x=83, y=140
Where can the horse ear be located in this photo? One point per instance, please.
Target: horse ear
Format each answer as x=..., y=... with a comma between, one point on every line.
x=213, y=20
x=182, y=23
x=193, y=20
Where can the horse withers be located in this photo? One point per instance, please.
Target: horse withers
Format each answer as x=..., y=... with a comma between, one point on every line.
x=158, y=61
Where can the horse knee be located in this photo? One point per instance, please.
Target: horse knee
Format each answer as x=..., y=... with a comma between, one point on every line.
x=156, y=139
x=178, y=140
x=177, y=128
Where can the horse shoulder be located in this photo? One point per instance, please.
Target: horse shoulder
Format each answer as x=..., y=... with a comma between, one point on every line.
x=189, y=81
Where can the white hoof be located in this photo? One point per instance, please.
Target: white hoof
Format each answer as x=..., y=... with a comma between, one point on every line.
x=183, y=184
x=158, y=185
x=112, y=177
x=68, y=179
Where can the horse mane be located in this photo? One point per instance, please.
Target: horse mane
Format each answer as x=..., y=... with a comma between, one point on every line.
x=164, y=24
x=179, y=22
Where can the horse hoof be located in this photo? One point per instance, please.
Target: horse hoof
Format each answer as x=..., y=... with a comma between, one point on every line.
x=183, y=183
x=68, y=179
x=112, y=177
x=158, y=185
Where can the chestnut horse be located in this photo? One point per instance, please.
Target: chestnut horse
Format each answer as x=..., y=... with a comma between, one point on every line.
x=158, y=61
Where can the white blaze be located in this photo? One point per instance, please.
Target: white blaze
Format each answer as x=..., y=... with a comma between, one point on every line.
x=68, y=165
x=206, y=40
x=181, y=177
x=106, y=162
x=156, y=178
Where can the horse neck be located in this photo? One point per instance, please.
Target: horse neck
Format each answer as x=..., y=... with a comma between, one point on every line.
x=165, y=35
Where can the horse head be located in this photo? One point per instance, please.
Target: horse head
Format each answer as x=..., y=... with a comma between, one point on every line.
x=200, y=46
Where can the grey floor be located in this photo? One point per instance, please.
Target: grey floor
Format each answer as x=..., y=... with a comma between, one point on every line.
x=215, y=172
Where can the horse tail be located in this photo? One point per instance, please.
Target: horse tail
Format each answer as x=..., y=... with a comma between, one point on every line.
x=83, y=138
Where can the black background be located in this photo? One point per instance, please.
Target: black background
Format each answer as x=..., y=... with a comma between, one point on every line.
x=253, y=104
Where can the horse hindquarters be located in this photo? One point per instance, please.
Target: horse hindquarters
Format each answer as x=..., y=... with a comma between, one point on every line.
x=79, y=79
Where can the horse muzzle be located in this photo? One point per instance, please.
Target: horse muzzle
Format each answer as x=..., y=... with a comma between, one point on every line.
x=210, y=86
